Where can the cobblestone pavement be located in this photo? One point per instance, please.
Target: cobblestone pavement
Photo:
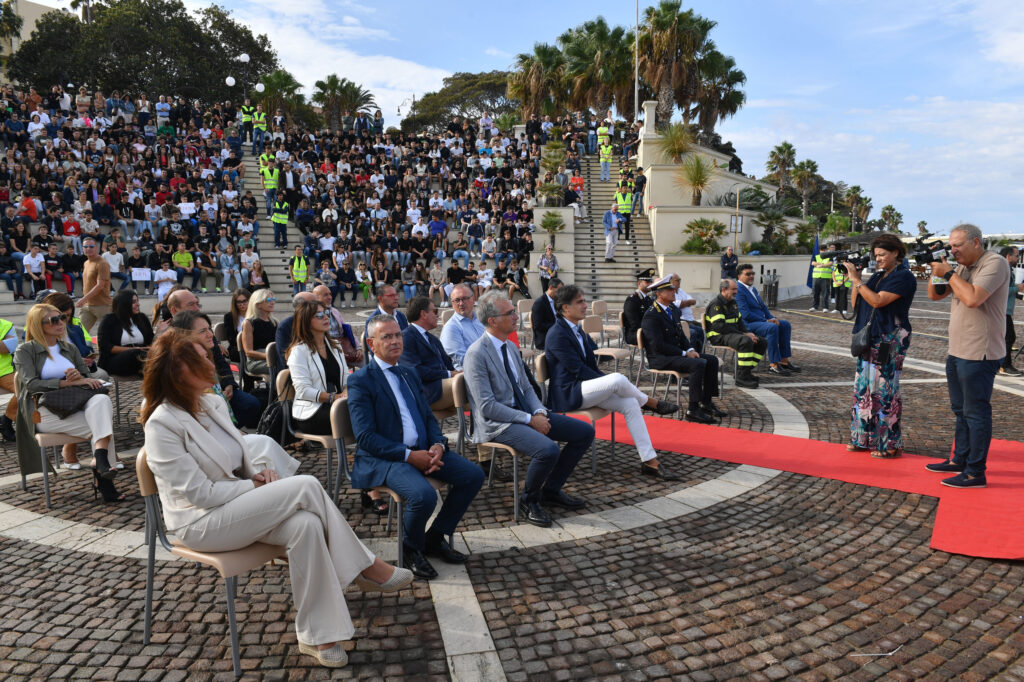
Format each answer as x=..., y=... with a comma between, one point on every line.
x=791, y=579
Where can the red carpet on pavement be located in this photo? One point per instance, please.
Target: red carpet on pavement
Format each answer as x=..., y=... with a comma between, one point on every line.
x=983, y=522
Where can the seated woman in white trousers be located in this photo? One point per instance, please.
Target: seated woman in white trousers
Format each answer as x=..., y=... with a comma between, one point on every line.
x=47, y=361
x=219, y=494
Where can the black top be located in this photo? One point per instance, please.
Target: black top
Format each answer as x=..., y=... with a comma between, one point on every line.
x=900, y=281
x=332, y=372
x=263, y=332
x=109, y=334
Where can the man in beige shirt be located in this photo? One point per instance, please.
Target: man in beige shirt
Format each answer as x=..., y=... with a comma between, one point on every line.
x=95, y=301
x=977, y=346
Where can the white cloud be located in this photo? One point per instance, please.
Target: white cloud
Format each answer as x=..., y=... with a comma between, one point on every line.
x=495, y=52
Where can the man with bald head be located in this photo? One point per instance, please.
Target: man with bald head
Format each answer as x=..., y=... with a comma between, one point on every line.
x=283, y=336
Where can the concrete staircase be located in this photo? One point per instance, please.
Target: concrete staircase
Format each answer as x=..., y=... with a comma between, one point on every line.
x=611, y=282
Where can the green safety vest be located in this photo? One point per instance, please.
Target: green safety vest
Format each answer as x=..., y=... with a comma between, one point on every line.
x=606, y=153
x=247, y=111
x=270, y=177
x=280, y=214
x=259, y=120
x=7, y=359
x=822, y=268
x=265, y=158
x=840, y=278
x=299, y=268
x=625, y=202
x=602, y=135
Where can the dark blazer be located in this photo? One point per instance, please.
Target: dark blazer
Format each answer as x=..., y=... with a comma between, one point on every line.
x=633, y=314
x=663, y=337
x=751, y=309
x=403, y=323
x=568, y=366
x=109, y=335
x=377, y=424
x=542, y=318
x=427, y=357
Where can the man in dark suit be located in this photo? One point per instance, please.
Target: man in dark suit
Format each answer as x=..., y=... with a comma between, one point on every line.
x=399, y=444
x=759, y=319
x=667, y=347
x=636, y=305
x=423, y=351
x=542, y=315
x=387, y=304
x=576, y=383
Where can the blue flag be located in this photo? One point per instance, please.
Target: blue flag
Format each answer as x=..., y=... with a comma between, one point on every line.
x=810, y=268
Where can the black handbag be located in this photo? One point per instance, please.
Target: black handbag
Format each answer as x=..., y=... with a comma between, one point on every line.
x=860, y=342
x=64, y=402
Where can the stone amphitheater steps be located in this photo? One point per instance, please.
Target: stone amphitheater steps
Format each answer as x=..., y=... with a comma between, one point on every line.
x=611, y=282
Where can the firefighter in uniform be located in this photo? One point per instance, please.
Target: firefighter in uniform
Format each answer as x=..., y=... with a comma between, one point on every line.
x=259, y=129
x=821, y=273
x=624, y=198
x=636, y=305
x=298, y=271
x=724, y=327
x=668, y=347
x=280, y=220
x=247, y=112
x=271, y=176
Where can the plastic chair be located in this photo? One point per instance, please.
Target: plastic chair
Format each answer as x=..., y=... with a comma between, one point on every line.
x=55, y=441
x=286, y=394
x=229, y=564
x=244, y=375
x=594, y=414
x=446, y=315
x=600, y=308
x=117, y=392
x=445, y=407
x=592, y=324
x=656, y=373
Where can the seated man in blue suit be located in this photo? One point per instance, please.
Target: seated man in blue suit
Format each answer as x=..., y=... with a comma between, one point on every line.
x=506, y=410
x=759, y=319
x=576, y=383
x=423, y=351
x=399, y=444
x=387, y=304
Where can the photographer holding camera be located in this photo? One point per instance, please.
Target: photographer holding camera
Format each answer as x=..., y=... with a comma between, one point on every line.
x=884, y=300
x=977, y=324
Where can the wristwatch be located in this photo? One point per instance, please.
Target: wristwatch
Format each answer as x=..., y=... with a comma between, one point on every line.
x=948, y=276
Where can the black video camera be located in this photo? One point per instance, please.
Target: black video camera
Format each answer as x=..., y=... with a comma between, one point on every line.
x=924, y=253
x=858, y=259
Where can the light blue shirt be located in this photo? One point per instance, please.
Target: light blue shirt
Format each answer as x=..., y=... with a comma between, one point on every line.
x=409, y=433
x=458, y=334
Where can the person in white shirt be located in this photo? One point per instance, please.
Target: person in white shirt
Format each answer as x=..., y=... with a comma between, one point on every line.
x=35, y=268
x=685, y=303
x=420, y=228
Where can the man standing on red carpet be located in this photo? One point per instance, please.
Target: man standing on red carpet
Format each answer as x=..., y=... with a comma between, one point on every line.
x=977, y=346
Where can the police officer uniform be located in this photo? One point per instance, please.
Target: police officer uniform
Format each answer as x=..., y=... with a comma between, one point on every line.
x=635, y=306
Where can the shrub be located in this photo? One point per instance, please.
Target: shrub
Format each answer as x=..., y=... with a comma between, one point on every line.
x=704, y=234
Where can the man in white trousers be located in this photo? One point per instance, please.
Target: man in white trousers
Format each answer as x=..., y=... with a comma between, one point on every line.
x=576, y=383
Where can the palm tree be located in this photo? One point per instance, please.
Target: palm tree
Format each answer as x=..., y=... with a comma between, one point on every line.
x=697, y=174
x=355, y=98
x=853, y=197
x=675, y=140
x=718, y=93
x=538, y=80
x=328, y=96
x=864, y=210
x=281, y=91
x=10, y=21
x=892, y=218
x=922, y=227
x=597, y=59
x=805, y=177
x=780, y=161
x=671, y=44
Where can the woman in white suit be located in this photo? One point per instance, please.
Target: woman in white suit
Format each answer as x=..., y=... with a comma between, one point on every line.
x=318, y=369
x=219, y=493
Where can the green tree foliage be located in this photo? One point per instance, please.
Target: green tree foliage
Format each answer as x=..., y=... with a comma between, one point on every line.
x=153, y=46
x=836, y=226
x=704, y=234
x=892, y=218
x=922, y=227
x=781, y=160
x=599, y=64
x=336, y=96
x=467, y=95
x=10, y=21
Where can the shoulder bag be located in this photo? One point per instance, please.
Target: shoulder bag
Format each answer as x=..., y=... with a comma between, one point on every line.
x=64, y=402
x=860, y=343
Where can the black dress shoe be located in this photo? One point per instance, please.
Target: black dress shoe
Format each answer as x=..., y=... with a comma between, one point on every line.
x=746, y=382
x=663, y=407
x=561, y=499
x=500, y=474
x=697, y=414
x=417, y=562
x=659, y=472
x=441, y=548
x=533, y=513
x=792, y=368
x=713, y=409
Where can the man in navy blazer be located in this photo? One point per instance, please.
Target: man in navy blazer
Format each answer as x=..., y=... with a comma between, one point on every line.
x=387, y=304
x=759, y=319
x=576, y=383
x=399, y=444
x=423, y=351
x=542, y=315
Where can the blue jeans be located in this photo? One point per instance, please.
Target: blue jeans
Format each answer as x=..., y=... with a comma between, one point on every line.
x=125, y=280
x=281, y=234
x=464, y=255
x=270, y=195
x=464, y=478
x=776, y=336
x=970, y=395
x=404, y=258
x=13, y=281
x=475, y=244
x=258, y=135
x=549, y=468
x=606, y=171
x=410, y=291
x=592, y=142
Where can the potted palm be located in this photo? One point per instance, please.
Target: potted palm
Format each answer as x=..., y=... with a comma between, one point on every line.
x=552, y=223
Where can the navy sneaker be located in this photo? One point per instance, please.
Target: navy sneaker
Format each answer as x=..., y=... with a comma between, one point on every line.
x=945, y=466
x=962, y=480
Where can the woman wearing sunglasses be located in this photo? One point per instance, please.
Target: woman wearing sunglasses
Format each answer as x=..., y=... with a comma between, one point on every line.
x=318, y=368
x=47, y=361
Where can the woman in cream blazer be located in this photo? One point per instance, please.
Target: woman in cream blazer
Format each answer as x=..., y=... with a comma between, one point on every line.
x=317, y=366
x=221, y=492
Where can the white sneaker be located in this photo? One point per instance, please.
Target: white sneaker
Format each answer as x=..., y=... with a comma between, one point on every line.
x=811, y=309
x=73, y=466
x=833, y=311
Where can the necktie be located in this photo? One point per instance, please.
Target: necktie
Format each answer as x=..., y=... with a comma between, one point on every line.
x=434, y=343
x=583, y=344
x=520, y=398
x=410, y=402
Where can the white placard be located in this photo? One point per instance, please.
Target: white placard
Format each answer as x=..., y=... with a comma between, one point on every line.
x=141, y=274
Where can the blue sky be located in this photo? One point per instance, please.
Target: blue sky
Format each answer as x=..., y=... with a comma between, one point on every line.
x=919, y=102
